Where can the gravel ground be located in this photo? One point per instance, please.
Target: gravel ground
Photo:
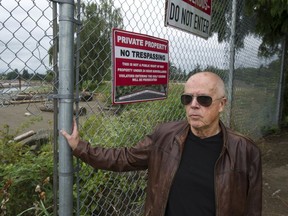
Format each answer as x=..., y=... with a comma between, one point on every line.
x=22, y=118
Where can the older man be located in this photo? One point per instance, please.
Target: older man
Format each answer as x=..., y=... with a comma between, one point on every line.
x=196, y=166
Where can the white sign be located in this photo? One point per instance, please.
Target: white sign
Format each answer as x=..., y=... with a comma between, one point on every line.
x=193, y=16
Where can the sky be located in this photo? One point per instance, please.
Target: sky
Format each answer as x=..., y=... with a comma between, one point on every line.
x=26, y=36
x=185, y=50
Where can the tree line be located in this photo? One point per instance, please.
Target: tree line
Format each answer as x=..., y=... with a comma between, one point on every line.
x=25, y=75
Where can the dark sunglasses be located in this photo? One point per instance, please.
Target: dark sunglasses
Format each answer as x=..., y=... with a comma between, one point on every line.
x=203, y=100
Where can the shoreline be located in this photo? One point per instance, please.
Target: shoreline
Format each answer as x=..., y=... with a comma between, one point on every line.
x=24, y=117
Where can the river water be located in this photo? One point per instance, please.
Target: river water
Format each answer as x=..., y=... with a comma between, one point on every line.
x=9, y=90
x=7, y=94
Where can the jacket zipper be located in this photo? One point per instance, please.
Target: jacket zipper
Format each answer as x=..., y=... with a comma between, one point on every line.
x=216, y=191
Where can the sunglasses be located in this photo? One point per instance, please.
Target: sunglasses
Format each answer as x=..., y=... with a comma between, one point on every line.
x=203, y=100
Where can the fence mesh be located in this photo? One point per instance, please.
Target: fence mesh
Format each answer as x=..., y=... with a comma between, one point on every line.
x=27, y=74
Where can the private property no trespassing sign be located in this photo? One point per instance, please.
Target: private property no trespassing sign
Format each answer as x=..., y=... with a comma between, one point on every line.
x=140, y=67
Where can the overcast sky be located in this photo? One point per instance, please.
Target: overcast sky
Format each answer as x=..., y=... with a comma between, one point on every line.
x=26, y=36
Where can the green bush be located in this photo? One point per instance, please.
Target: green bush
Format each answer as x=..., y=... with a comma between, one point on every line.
x=21, y=170
x=134, y=121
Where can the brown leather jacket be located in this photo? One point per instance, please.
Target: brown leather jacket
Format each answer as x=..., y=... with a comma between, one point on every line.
x=238, y=174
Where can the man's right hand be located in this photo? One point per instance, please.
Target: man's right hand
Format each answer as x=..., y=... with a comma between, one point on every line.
x=73, y=139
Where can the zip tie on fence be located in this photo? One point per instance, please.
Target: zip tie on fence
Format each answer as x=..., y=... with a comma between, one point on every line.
x=63, y=96
x=61, y=18
x=75, y=170
x=65, y=174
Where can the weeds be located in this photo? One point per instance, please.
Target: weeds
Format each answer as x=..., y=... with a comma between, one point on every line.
x=20, y=173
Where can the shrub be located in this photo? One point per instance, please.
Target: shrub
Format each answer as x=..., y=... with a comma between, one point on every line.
x=21, y=170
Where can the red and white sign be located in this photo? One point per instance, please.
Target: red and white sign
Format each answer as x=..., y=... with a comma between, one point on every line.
x=193, y=16
x=140, y=62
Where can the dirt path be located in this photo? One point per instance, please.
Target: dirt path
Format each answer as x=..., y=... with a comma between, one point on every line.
x=24, y=117
x=275, y=174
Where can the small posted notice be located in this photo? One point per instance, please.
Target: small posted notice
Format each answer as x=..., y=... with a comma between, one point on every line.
x=140, y=67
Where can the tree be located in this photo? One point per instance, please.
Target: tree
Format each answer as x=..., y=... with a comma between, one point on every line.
x=95, y=50
x=222, y=20
x=267, y=19
x=13, y=75
x=97, y=20
x=195, y=70
x=25, y=74
x=176, y=74
x=272, y=25
x=49, y=76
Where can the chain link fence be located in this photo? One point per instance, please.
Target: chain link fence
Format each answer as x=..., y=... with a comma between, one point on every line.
x=29, y=79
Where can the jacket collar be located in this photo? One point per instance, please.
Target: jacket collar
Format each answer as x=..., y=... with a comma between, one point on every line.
x=183, y=133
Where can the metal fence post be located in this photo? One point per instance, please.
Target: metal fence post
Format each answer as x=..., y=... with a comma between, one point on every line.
x=281, y=88
x=66, y=99
x=232, y=61
x=55, y=115
x=77, y=69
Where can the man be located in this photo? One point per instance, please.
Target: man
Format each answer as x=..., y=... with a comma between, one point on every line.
x=195, y=167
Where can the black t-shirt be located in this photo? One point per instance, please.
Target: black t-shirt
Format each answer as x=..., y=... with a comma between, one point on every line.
x=192, y=192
